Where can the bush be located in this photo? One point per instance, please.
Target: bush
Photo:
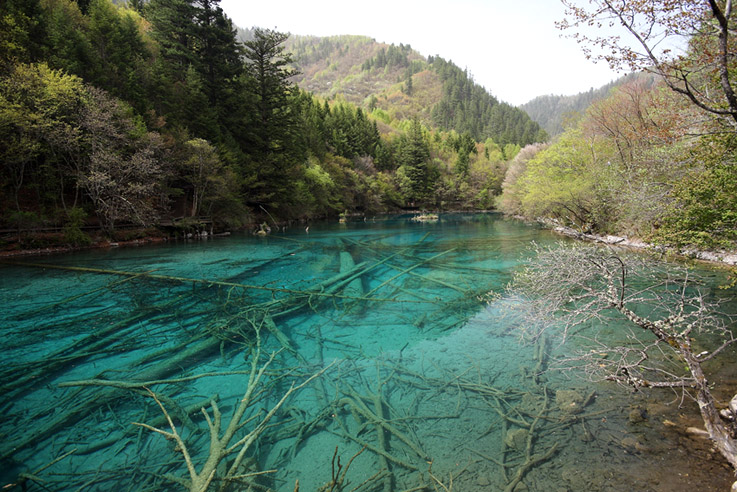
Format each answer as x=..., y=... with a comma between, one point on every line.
x=72, y=231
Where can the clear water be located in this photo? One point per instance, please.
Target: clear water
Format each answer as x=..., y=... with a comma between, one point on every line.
x=459, y=393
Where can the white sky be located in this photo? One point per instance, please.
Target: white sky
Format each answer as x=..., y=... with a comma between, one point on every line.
x=511, y=47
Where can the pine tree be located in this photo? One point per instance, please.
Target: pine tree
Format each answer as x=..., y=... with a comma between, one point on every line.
x=197, y=35
x=413, y=155
x=273, y=130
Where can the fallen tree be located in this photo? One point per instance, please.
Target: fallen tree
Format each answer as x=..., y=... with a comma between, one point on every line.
x=668, y=324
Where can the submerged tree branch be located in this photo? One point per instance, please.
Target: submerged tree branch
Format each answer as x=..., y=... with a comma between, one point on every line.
x=570, y=287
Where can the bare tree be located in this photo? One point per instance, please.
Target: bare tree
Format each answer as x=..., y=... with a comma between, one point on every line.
x=658, y=29
x=124, y=169
x=668, y=324
x=202, y=170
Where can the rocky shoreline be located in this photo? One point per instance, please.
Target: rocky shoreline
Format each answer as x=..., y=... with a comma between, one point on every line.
x=720, y=257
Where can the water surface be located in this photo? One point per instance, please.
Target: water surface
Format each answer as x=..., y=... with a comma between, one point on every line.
x=425, y=383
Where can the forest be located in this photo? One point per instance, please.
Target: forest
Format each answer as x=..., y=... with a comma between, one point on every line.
x=157, y=115
x=655, y=159
x=161, y=118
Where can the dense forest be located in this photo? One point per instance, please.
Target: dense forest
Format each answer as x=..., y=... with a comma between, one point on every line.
x=410, y=86
x=552, y=112
x=655, y=159
x=162, y=113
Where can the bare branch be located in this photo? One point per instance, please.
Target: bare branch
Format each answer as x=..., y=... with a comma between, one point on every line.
x=662, y=320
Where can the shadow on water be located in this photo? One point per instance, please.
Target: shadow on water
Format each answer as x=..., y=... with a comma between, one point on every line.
x=425, y=386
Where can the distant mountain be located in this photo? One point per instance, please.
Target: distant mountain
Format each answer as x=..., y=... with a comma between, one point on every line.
x=551, y=111
x=397, y=83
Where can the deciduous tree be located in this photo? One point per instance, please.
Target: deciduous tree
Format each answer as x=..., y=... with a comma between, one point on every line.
x=39, y=123
x=124, y=170
x=201, y=170
x=658, y=30
x=668, y=325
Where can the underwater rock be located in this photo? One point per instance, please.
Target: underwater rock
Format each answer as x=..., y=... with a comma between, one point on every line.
x=637, y=415
x=517, y=439
x=483, y=481
x=633, y=445
x=569, y=401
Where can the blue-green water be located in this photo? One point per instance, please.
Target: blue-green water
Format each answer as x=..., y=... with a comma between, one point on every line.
x=395, y=312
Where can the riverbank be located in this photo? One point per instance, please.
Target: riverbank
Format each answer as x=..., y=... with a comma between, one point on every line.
x=728, y=258
x=12, y=252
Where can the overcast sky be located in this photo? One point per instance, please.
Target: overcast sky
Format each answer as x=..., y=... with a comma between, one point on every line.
x=511, y=47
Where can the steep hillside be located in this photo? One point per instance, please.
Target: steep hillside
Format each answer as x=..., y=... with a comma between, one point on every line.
x=343, y=65
x=397, y=83
x=552, y=111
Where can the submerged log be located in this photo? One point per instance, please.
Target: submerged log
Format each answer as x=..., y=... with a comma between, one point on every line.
x=318, y=290
x=101, y=398
x=355, y=287
x=205, y=349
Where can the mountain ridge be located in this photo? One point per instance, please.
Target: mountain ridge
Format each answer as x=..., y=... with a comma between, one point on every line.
x=551, y=111
x=395, y=83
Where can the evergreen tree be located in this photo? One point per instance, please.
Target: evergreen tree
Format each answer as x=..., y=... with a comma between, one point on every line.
x=22, y=32
x=413, y=154
x=119, y=52
x=197, y=35
x=464, y=145
x=272, y=132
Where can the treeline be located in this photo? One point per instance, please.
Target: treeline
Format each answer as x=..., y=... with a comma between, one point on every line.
x=394, y=56
x=468, y=107
x=643, y=162
x=552, y=112
x=143, y=113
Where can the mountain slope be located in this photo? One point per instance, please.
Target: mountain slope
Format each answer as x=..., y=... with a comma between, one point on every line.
x=552, y=111
x=397, y=83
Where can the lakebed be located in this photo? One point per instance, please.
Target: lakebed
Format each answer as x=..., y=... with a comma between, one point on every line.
x=424, y=378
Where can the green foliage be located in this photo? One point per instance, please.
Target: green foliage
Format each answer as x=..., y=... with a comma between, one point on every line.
x=703, y=211
x=119, y=52
x=627, y=168
x=272, y=133
x=200, y=58
x=564, y=182
x=66, y=45
x=135, y=111
x=510, y=200
x=39, y=128
x=72, y=231
x=416, y=174
x=317, y=191
x=203, y=171
x=25, y=221
x=463, y=145
x=21, y=31
x=468, y=108
x=394, y=56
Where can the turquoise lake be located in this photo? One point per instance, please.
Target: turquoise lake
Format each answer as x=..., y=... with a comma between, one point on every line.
x=425, y=384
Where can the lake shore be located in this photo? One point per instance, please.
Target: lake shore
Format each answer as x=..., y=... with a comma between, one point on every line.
x=728, y=258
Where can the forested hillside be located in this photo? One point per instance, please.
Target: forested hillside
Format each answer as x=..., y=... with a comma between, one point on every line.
x=398, y=83
x=655, y=159
x=164, y=114
x=552, y=112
